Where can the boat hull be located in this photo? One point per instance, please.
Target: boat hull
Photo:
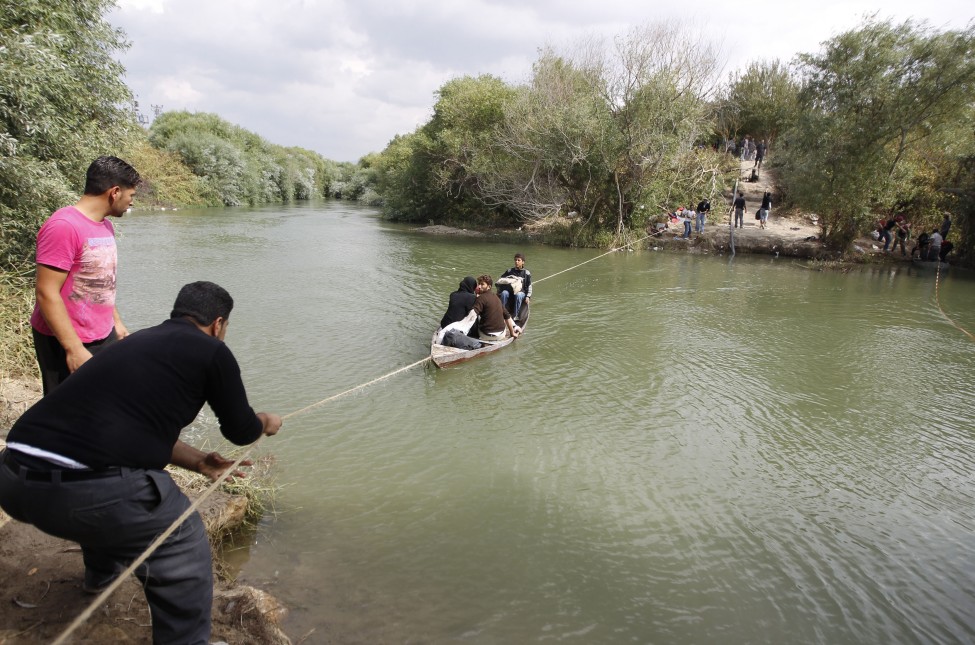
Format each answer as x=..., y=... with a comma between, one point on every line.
x=444, y=355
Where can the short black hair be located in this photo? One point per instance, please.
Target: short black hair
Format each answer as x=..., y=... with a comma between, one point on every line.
x=519, y=255
x=202, y=301
x=105, y=172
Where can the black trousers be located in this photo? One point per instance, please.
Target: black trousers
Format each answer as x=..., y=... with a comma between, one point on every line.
x=114, y=518
x=53, y=360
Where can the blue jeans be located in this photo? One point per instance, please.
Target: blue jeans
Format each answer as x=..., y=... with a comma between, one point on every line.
x=114, y=519
x=687, y=228
x=519, y=298
x=701, y=219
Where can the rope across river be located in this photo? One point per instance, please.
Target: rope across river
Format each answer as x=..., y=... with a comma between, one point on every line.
x=122, y=577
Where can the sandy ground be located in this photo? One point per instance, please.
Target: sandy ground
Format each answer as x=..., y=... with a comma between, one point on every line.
x=785, y=233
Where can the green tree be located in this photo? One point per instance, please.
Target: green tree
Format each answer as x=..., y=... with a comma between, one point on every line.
x=868, y=102
x=429, y=174
x=239, y=167
x=166, y=179
x=606, y=132
x=62, y=103
x=609, y=133
x=762, y=102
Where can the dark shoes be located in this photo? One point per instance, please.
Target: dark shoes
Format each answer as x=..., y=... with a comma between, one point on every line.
x=97, y=581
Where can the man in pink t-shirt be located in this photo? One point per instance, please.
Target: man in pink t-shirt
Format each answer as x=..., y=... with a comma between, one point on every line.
x=75, y=314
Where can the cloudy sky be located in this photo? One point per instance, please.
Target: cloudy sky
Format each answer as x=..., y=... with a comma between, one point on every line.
x=342, y=77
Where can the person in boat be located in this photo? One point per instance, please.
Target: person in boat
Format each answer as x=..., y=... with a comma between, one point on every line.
x=460, y=304
x=494, y=322
x=525, y=293
x=85, y=463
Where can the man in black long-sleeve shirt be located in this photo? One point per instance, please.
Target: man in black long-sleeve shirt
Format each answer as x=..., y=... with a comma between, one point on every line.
x=85, y=463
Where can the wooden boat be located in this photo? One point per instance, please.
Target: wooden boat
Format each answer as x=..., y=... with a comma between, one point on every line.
x=444, y=355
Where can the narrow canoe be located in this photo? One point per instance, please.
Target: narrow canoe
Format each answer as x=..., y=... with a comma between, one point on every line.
x=444, y=355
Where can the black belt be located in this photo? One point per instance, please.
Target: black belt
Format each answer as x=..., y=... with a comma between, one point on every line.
x=64, y=474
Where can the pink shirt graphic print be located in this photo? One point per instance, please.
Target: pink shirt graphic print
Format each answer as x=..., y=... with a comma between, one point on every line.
x=86, y=250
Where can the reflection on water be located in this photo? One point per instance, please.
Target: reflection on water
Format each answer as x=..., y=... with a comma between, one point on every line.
x=681, y=449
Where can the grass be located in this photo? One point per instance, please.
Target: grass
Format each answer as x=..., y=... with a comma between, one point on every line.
x=257, y=487
x=17, y=358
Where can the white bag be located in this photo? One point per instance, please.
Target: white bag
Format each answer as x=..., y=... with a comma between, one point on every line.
x=512, y=281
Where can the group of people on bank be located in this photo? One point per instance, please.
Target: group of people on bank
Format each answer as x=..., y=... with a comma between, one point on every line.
x=486, y=314
x=692, y=217
x=932, y=246
x=747, y=149
x=86, y=462
x=689, y=217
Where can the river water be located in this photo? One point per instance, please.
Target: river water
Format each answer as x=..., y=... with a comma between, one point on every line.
x=681, y=449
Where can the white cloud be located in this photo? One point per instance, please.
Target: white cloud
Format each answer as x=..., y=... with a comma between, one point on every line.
x=343, y=77
x=154, y=6
x=174, y=90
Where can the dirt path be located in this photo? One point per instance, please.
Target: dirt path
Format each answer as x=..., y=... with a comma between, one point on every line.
x=786, y=226
x=787, y=232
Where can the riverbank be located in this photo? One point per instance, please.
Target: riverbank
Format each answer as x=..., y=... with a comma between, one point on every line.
x=787, y=233
x=40, y=576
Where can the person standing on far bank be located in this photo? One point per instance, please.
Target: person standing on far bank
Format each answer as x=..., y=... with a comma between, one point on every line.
x=703, y=208
x=765, y=209
x=74, y=314
x=739, y=206
x=759, y=155
x=945, y=226
x=86, y=462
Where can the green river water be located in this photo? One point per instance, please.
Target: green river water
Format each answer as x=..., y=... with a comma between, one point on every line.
x=681, y=449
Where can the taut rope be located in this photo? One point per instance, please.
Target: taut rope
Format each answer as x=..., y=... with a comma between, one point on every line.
x=104, y=595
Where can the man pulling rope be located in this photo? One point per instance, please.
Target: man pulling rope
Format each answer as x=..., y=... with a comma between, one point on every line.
x=85, y=463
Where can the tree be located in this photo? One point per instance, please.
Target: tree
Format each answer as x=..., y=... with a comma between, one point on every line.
x=239, y=167
x=166, y=179
x=868, y=102
x=62, y=103
x=609, y=132
x=431, y=173
x=761, y=102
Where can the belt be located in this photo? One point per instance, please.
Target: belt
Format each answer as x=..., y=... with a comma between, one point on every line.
x=62, y=474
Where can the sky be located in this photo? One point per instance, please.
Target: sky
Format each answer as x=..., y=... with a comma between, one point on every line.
x=343, y=77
